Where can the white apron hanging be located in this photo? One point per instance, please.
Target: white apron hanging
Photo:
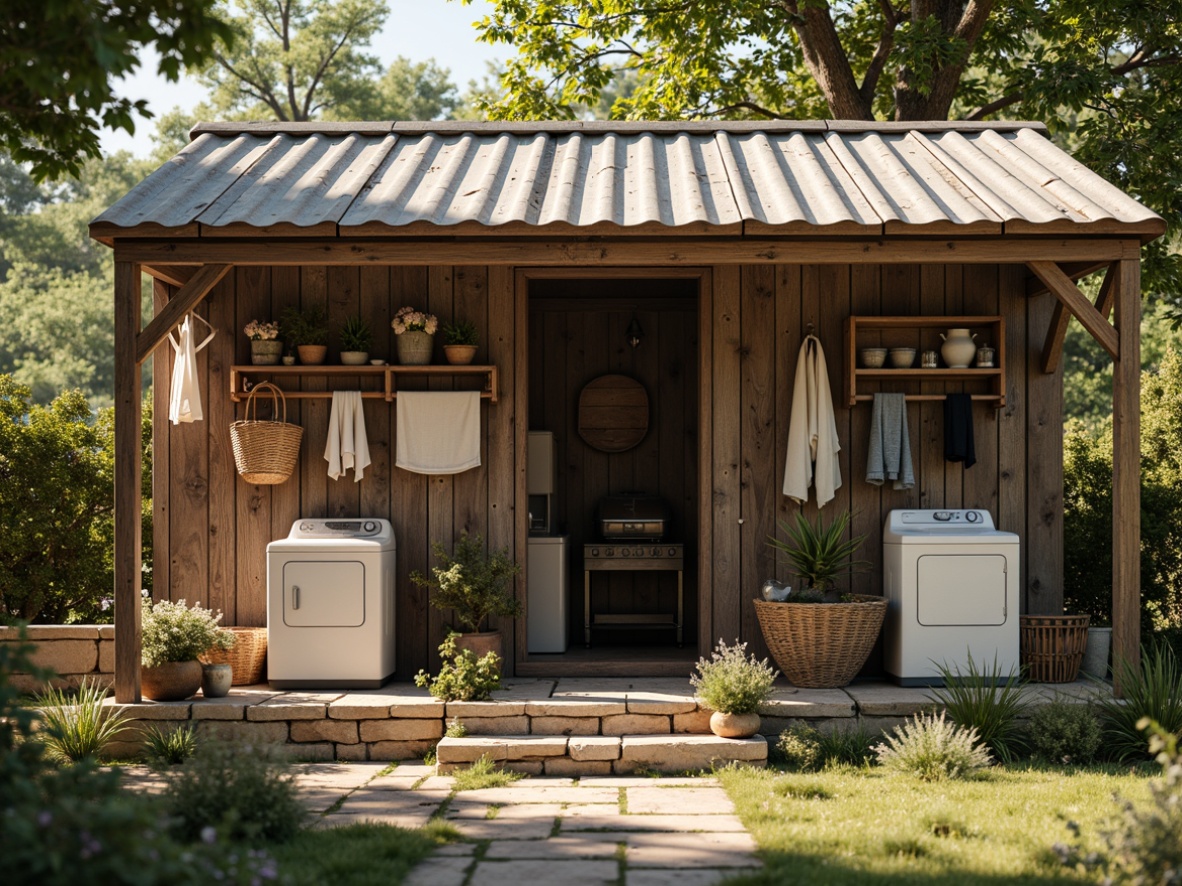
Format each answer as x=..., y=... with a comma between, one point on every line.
x=184, y=401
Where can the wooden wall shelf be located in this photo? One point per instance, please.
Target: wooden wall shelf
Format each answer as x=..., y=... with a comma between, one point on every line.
x=922, y=333
x=243, y=378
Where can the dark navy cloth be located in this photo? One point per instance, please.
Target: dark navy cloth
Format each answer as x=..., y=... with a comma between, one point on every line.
x=958, y=429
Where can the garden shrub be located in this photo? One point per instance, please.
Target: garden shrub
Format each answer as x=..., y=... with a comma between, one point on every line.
x=987, y=701
x=1153, y=691
x=806, y=749
x=731, y=682
x=169, y=746
x=78, y=726
x=1065, y=732
x=852, y=747
x=932, y=748
x=462, y=677
x=799, y=748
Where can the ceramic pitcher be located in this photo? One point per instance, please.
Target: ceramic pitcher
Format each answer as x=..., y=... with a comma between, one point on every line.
x=958, y=349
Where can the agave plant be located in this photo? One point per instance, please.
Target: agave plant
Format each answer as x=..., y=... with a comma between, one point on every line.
x=820, y=553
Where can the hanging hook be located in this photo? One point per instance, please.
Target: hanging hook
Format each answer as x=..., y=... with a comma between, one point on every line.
x=808, y=329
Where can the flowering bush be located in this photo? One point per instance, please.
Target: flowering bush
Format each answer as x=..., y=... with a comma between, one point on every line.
x=732, y=683
x=410, y=320
x=257, y=330
x=175, y=632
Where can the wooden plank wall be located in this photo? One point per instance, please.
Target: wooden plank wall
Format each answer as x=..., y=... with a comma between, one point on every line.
x=211, y=528
x=758, y=320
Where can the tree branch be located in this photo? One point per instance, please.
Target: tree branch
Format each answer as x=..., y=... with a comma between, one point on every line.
x=262, y=93
x=882, y=52
x=748, y=106
x=826, y=59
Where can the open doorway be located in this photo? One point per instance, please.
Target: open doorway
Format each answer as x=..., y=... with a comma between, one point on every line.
x=642, y=325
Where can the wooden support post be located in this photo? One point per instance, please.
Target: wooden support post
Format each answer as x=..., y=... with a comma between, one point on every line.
x=128, y=543
x=1126, y=470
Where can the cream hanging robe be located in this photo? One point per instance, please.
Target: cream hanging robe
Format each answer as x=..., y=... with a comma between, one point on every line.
x=812, y=430
x=184, y=400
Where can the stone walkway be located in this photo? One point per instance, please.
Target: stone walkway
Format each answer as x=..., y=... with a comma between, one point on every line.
x=585, y=832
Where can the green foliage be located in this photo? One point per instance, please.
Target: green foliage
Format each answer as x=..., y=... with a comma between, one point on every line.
x=1065, y=732
x=406, y=91
x=1151, y=691
x=62, y=63
x=356, y=334
x=307, y=327
x=456, y=729
x=462, y=332
x=799, y=748
x=176, y=632
x=168, y=746
x=805, y=749
x=245, y=793
x=483, y=773
x=462, y=677
x=848, y=747
x=731, y=682
x=820, y=553
x=78, y=727
x=474, y=584
x=987, y=701
x=932, y=748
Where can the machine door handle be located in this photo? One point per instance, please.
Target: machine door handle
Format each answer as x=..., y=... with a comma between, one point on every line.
x=295, y=596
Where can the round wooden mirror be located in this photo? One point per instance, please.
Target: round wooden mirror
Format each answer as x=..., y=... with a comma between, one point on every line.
x=613, y=413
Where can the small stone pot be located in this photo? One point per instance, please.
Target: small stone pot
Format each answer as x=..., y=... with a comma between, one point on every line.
x=265, y=352
x=354, y=358
x=734, y=725
x=171, y=681
x=216, y=680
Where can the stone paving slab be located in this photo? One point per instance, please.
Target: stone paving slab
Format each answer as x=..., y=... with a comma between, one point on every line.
x=678, y=877
x=637, y=781
x=439, y=872
x=463, y=809
x=672, y=823
x=679, y=801
x=576, y=873
x=889, y=700
x=792, y=701
x=507, y=829
x=541, y=791
x=555, y=848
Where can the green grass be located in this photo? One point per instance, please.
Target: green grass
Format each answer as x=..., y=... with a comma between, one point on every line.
x=867, y=826
x=356, y=855
x=483, y=773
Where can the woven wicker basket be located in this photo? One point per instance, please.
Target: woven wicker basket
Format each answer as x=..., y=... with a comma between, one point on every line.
x=247, y=657
x=821, y=645
x=1053, y=646
x=265, y=452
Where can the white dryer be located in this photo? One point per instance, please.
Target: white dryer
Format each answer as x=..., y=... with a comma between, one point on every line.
x=952, y=582
x=330, y=605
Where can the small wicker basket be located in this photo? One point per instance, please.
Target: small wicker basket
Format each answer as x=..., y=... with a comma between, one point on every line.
x=247, y=658
x=821, y=645
x=1053, y=646
x=265, y=452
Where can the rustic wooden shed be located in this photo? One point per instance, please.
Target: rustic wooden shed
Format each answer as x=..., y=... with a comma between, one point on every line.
x=725, y=242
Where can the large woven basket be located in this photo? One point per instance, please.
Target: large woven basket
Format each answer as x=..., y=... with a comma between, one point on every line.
x=265, y=452
x=1052, y=646
x=821, y=645
x=247, y=658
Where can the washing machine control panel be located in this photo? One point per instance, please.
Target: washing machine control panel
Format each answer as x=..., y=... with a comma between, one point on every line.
x=337, y=528
x=937, y=518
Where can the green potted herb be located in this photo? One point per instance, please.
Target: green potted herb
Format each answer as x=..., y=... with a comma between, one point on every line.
x=307, y=330
x=733, y=686
x=356, y=340
x=459, y=342
x=173, y=636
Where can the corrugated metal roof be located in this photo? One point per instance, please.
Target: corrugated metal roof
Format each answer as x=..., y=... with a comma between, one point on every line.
x=757, y=178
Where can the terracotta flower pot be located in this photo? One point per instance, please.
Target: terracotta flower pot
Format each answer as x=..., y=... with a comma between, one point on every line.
x=734, y=725
x=312, y=355
x=459, y=355
x=171, y=681
x=481, y=644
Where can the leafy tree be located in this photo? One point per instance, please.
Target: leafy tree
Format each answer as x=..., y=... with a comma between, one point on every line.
x=59, y=62
x=407, y=91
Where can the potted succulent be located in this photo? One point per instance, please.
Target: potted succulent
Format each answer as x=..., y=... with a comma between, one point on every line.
x=414, y=332
x=820, y=636
x=265, y=344
x=733, y=686
x=356, y=339
x=459, y=342
x=174, y=635
x=308, y=331
x=475, y=585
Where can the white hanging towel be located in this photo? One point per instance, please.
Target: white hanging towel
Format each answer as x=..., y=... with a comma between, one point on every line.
x=184, y=398
x=438, y=431
x=812, y=430
x=347, y=446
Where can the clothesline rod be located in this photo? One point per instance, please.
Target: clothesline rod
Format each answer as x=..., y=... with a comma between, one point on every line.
x=240, y=397
x=868, y=398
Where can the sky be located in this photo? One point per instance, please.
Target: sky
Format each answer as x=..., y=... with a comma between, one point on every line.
x=417, y=29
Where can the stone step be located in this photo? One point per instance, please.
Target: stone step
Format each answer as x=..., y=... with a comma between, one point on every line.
x=600, y=754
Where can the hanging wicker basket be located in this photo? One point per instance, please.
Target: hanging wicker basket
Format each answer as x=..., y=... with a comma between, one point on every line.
x=265, y=452
x=821, y=645
x=1052, y=646
x=247, y=658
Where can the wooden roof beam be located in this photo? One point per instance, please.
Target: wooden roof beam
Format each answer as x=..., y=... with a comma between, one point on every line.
x=173, y=275
x=205, y=279
x=1076, y=270
x=1064, y=289
x=1052, y=349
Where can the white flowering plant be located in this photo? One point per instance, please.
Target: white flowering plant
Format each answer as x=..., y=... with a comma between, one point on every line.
x=262, y=330
x=413, y=320
x=176, y=632
x=731, y=682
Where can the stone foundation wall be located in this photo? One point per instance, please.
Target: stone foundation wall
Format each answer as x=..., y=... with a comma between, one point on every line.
x=73, y=652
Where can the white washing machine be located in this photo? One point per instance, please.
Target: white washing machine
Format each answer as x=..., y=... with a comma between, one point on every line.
x=952, y=582
x=330, y=605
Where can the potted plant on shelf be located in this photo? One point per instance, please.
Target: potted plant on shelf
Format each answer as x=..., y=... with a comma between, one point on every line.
x=307, y=330
x=733, y=686
x=459, y=342
x=820, y=636
x=356, y=339
x=475, y=585
x=265, y=344
x=174, y=635
x=414, y=332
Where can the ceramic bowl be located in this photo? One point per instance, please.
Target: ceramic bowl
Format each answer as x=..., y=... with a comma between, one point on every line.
x=873, y=358
x=902, y=358
x=377, y=362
